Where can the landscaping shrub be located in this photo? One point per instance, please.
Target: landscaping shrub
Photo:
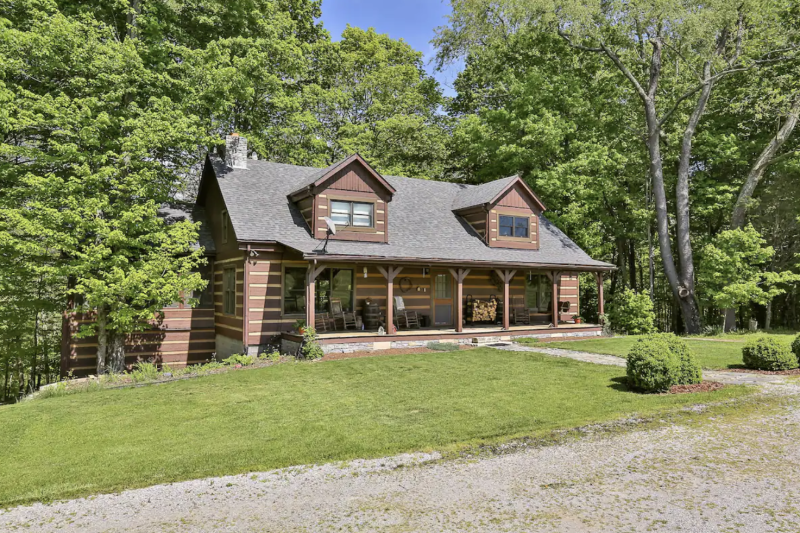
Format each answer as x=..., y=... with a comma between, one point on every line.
x=632, y=313
x=796, y=348
x=239, y=359
x=311, y=348
x=657, y=362
x=443, y=346
x=144, y=371
x=766, y=353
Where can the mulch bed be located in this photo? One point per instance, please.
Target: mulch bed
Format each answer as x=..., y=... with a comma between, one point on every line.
x=391, y=351
x=793, y=372
x=706, y=386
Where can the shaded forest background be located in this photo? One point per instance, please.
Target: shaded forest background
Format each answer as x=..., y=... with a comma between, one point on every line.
x=108, y=107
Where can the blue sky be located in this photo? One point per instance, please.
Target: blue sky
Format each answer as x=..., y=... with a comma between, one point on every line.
x=411, y=20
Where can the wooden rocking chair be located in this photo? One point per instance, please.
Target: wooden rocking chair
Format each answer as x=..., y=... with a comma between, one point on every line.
x=519, y=313
x=404, y=317
x=346, y=319
x=323, y=322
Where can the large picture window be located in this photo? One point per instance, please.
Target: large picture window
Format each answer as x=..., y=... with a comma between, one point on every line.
x=356, y=214
x=538, y=292
x=511, y=226
x=331, y=284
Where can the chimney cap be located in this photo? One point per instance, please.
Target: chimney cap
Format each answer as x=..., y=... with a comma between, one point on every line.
x=234, y=134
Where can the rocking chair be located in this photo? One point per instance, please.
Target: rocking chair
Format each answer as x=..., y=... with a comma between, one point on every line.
x=519, y=313
x=347, y=319
x=404, y=317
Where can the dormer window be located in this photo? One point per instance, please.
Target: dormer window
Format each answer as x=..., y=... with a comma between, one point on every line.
x=355, y=214
x=515, y=227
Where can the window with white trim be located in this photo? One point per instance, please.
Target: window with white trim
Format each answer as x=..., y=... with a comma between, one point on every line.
x=356, y=214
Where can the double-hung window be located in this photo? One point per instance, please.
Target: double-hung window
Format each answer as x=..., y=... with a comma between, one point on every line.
x=356, y=214
x=229, y=291
x=511, y=226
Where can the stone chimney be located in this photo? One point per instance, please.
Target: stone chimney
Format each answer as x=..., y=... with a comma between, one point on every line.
x=236, y=151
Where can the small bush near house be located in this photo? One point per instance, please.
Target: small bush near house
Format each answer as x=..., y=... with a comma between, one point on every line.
x=443, y=346
x=311, y=348
x=239, y=359
x=632, y=313
x=273, y=356
x=657, y=362
x=766, y=353
x=796, y=348
x=144, y=371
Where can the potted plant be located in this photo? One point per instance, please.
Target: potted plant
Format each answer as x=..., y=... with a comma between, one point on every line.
x=577, y=318
x=300, y=326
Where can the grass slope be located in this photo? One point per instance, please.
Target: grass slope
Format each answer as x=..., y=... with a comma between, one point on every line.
x=726, y=352
x=253, y=420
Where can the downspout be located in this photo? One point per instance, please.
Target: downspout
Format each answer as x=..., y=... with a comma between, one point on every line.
x=246, y=303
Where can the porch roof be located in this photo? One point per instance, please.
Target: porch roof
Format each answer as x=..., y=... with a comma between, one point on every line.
x=422, y=226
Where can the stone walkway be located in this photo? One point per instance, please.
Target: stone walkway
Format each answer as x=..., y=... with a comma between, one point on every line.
x=731, y=378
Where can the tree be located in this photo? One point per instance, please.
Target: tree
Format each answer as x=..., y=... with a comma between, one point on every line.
x=90, y=150
x=375, y=98
x=733, y=271
x=705, y=43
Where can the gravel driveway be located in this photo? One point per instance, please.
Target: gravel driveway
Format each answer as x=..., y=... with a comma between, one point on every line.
x=734, y=474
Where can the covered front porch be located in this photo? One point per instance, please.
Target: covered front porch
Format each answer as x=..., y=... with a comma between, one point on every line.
x=377, y=302
x=349, y=341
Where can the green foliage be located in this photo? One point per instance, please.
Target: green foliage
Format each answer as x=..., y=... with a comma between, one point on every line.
x=144, y=371
x=443, y=346
x=796, y=347
x=767, y=353
x=652, y=366
x=657, y=362
x=733, y=270
x=632, y=313
x=273, y=356
x=239, y=359
x=311, y=348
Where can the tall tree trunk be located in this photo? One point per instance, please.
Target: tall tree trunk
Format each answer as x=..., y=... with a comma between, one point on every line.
x=632, y=263
x=132, y=25
x=768, y=317
x=102, y=339
x=116, y=353
x=765, y=159
x=6, y=379
x=34, y=365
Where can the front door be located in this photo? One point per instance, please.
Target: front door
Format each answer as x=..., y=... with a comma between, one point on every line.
x=442, y=299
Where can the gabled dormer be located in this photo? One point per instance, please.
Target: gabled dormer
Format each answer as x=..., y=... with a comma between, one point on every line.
x=353, y=195
x=505, y=213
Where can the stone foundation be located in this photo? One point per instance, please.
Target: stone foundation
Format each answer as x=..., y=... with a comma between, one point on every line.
x=226, y=347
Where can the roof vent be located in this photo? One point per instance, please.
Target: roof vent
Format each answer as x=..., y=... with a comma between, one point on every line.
x=236, y=151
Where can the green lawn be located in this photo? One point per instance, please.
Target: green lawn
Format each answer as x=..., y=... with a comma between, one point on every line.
x=712, y=354
x=259, y=419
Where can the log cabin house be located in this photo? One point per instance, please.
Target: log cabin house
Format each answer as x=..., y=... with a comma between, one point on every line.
x=470, y=263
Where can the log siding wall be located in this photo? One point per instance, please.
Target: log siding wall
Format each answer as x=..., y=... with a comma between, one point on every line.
x=516, y=203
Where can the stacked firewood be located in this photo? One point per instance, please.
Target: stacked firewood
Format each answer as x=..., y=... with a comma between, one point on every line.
x=484, y=311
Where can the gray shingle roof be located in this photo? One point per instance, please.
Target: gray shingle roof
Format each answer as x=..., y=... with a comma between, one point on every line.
x=480, y=194
x=421, y=222
x=180, y=211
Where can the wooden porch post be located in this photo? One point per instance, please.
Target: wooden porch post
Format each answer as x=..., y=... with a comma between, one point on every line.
x=556, y=277
x=459, y=275
x=390, y=274
x=600, y=301
x=311, y=277
x=506, y=276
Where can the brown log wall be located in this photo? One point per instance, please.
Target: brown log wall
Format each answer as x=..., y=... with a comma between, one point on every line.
x=183, y=337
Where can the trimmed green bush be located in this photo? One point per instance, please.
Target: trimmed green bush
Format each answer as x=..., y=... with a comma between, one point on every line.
x=632, y=313
x=766, y=353
x=796, y=348
x=657, y=362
